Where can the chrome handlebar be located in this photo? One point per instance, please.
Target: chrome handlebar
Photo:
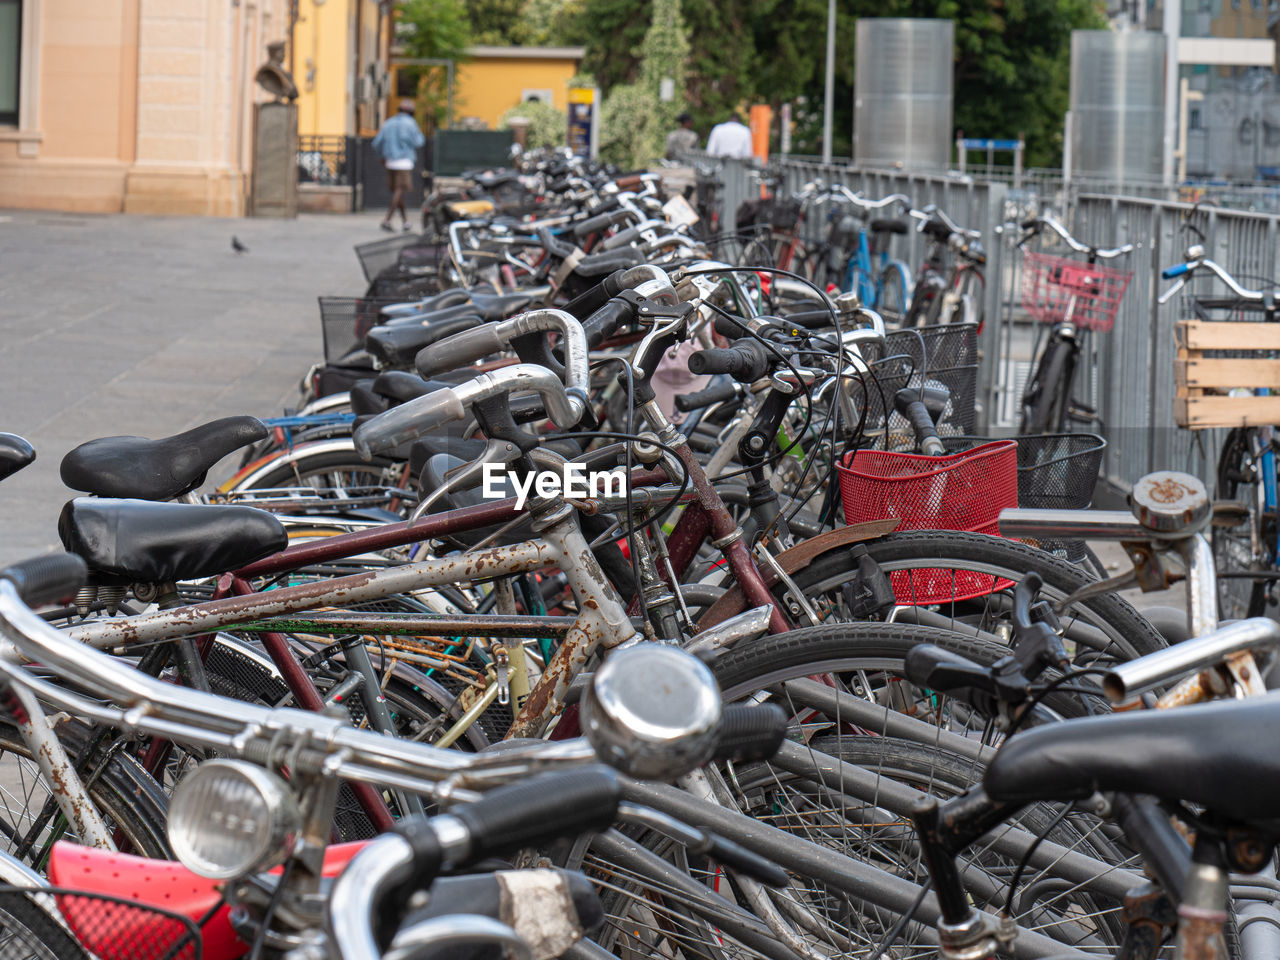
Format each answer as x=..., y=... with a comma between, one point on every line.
x=1048, y=220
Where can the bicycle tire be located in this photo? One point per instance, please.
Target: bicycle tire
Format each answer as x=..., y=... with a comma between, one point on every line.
x=337, y=468
x=823, y=580
x=865, y=660
x=129, y=799
x=894, y=297
x=29, y=932
x=1047, y=395
x=1233, y=552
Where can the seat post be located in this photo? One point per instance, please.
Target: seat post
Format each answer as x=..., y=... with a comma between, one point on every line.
x=1202, y=912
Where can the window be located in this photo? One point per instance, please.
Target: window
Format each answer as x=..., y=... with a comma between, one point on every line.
x=10, y=55
x=1194, y=121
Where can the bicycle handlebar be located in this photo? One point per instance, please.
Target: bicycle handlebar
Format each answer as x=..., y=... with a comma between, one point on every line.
x=1035, y=223
x=1183, y=271
x=423, y=414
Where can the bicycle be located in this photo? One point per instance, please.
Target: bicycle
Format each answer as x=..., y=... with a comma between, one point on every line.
x=855, y=257
x=1246, y=534
x=1073, y=298
x=945, y=294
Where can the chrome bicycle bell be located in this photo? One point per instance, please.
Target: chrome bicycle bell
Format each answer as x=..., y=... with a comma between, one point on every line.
x=652, y=711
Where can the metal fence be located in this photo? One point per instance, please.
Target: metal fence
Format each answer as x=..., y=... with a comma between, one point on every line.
x=1127, y=373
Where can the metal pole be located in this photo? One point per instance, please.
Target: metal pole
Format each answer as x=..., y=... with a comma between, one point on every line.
x=449, y=110
x=830, y=91
x=1172, y=32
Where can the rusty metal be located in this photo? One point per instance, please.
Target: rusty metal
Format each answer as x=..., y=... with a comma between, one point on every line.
x=416, y=625
x=798, y=557
x=1149, y=915
x=340, y=591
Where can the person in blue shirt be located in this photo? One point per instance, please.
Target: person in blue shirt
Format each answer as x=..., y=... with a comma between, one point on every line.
x=398, y=143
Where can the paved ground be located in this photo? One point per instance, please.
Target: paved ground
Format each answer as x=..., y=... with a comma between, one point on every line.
x=149, y=326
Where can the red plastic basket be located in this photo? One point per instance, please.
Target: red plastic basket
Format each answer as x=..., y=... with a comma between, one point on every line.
x=959, y=491
x=1058, y=288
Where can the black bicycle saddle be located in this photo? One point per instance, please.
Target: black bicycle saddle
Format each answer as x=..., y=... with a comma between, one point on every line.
x=135, y=467
x=1220, y=755
x=15, y=453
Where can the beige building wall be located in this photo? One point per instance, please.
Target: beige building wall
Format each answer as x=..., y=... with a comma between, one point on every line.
x=142, y=106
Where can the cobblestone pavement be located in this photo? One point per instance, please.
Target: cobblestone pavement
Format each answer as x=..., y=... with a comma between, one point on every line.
x=148, y=326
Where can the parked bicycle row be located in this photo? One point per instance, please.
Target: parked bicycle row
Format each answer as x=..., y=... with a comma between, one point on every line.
x=603, y=596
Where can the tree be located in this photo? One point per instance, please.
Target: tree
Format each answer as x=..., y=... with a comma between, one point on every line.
x=1011, y=72
x=548, y=127
x=432, y=30
x=497, y=22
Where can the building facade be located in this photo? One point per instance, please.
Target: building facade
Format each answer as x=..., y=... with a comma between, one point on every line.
x=146, y=106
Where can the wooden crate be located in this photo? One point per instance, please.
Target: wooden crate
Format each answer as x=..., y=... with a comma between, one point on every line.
x=1203, y=380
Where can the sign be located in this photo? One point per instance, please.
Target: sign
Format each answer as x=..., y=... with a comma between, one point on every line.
x=584, y=121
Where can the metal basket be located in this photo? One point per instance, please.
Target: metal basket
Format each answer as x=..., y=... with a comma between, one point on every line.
x=1056, y=471
x=72, y=925
x=1059, y=288
x=957, y=491
x=945, y=354
x=377, y=255
x=345, y=320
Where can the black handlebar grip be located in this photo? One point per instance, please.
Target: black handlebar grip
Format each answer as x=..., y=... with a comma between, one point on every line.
x=746, y=361
x=541, y=809
x=459, y=350
x=553, y=246
x=589, y=301
x=602, y=323
x=601, y=221
x=750, y=731
x=45, y=580
x=729, y=327
x=1030, y=224
x=718, y=393
x=921, y=421
x=739, y=858
x=930, y=666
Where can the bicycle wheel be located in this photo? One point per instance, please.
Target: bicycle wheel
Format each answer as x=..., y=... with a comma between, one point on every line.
x=28, y=932
x=838, y=785
x=968, y=579
x=1240, y=547
x=327, y=469
x=894, y=293
x=1047, y=396
x=969, y=291
x=130, y=801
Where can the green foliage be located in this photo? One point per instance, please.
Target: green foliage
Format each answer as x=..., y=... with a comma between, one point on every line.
x=433, y=29
x=497, y=22
x=1011, y=72
x=548, y=127
x=626, y=117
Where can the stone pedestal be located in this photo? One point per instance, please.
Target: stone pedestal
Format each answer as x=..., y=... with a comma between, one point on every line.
x=274, y=191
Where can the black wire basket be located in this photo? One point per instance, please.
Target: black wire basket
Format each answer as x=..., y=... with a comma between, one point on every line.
x=1056, y=471
x=345, y=320
x=943, y=354
x=72, y=925
x=377, y=255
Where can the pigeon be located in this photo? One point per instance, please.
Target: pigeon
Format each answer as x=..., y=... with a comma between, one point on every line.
x=237, y=246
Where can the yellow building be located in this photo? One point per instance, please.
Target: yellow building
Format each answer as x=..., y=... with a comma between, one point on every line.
x=493, y=79
x=339, y=65
x=146, y=106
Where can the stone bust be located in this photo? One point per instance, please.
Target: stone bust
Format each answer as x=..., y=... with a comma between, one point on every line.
x=273, y=77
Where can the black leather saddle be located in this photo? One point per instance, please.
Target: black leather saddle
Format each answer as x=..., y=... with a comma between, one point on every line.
x=156, y=469
x=500, y=306
x=395, y=345
x=432, y=478
x=137, y=541
x=15, y=453
x=1221, y=755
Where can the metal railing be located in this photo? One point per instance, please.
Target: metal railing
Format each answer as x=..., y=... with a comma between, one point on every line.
x=1126, y=374
x=324, y=159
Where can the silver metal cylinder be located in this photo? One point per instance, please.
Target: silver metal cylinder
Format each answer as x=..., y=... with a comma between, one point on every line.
x=1146, y=673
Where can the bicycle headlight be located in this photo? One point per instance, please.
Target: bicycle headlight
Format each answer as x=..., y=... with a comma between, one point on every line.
x=229, y=818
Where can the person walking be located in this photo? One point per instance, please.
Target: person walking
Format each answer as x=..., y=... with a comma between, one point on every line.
x=730, y=139
x=398, y=143
x=682, y=139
